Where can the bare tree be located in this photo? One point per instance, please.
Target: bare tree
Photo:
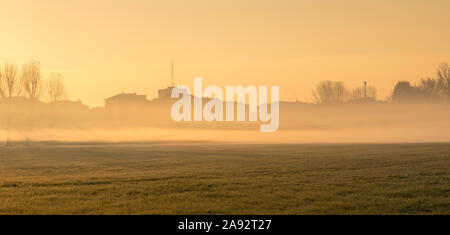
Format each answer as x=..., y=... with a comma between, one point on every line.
x=2, y=87
x=358, y=93
x=443, y=77
x=330, y=92
x=429, y=85
x=372, y=92
x=10, y=80
x=430, y=89
x=56, y=89
x=31, y=79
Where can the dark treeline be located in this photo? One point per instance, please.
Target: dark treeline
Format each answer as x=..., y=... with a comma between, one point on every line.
x=428, y=90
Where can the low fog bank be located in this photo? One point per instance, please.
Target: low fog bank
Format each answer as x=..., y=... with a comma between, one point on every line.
x=357, y=135
x=299, y=123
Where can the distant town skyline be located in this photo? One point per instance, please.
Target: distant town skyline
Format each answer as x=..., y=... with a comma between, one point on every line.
x=105, y=47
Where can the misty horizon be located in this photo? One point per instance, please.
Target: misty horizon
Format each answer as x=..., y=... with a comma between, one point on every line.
x=254, y=110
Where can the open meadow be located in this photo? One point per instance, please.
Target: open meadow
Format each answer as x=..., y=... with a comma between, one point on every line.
x=224, y=178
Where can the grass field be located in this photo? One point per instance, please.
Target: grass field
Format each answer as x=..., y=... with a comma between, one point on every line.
x=208, y=178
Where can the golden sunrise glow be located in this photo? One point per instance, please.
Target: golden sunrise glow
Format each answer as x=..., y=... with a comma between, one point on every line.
x=109, y=46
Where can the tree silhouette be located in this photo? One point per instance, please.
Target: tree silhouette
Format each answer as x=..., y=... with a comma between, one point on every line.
x=405, y=93
x=443, y=76
x=11, y=85
x=2, y=87
x=31, y=79
x=429, y=89
x=358, y=93
x=55, y=88
x=330, y=92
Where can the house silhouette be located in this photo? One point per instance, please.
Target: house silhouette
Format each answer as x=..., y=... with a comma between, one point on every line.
x=126, y=100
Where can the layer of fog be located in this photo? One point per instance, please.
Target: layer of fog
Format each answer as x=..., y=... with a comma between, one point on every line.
x=299, y=123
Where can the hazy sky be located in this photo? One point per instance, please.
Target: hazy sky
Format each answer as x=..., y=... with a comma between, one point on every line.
x=103, y=47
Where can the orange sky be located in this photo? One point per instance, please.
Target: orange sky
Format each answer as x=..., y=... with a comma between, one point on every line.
x=105, y=46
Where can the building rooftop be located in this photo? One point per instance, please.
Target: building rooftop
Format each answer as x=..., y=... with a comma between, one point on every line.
x=126, y=96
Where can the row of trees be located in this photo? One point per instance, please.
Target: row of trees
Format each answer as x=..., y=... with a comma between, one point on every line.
x=29, y=82
x=332, y=92
x=435, y=89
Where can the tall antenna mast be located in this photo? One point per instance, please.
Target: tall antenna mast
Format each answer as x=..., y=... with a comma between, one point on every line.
x=172, y=74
